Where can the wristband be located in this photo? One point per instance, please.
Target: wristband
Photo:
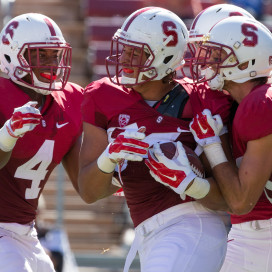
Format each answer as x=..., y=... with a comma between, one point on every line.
x=105, y=164
x=7, y=141
x=215, y=154
x=199, y=189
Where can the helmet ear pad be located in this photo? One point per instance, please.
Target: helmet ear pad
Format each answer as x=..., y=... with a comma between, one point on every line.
x=158, y=32
x=33, y=31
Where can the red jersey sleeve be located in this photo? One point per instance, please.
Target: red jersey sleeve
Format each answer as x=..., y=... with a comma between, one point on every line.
x=250, y=112
x=91, y=113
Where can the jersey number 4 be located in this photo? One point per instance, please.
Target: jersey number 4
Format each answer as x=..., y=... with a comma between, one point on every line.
x=36, y=169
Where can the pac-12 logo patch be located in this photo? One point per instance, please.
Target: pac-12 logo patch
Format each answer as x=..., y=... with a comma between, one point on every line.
x=123, y=120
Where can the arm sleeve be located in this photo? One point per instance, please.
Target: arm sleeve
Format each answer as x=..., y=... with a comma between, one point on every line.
x=253, y=121
x=91, y=113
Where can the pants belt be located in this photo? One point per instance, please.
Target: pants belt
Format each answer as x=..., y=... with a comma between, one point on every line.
x=254, y=224
x=18, y=228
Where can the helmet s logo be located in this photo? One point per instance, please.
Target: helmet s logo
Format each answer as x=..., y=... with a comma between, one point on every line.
x=249, y=30
x=169, y=30
x=9, y=30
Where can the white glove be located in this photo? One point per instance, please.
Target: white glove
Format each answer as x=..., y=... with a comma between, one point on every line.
x=23, y=119
x=206, y=128
x=175, y=173
x=127, y=146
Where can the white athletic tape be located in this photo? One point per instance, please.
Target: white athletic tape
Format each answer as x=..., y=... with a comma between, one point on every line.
x=215, y=154
x=199, y=189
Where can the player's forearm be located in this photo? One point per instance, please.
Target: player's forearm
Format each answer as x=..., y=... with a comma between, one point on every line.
x=231, y=187
x=71, y=163
x=4, y=158
x=93, y=183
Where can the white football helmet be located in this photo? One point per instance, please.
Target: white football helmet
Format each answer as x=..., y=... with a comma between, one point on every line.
x=157, y=32
x=33, y=31
x=237, y=49
x=205, y=20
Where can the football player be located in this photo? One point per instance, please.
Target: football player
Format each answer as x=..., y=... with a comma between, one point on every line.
x=40, y=128
x=139, y=105
x=201, y=25
x=198, y=94
x=237, y=52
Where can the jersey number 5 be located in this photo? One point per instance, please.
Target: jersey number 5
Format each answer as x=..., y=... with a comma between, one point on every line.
x=28, y=171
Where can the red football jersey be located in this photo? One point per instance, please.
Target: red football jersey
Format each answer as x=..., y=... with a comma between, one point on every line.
x=37, y=153
x=202, y=97
x=115, y=109
x=252, y=121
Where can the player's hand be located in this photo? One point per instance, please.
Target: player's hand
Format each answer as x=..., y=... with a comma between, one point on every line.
x=175, y=173
x=23, y=119
x=127, y=146
x=206, y=128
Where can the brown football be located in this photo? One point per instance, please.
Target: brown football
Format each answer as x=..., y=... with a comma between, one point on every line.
x=170, y=151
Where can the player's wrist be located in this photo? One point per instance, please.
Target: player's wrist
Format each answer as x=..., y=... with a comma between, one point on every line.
x=7, y=137
x=215, y=154
x=184, y=183
x=199, y=188
x=212, y=140
x=105, y=164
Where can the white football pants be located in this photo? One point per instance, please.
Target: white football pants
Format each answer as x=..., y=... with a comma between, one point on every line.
x=249, y=247
x=184, y=238
x=21, y=251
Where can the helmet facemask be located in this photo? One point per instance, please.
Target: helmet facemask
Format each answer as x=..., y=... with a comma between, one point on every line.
x=24, y=74
x=143, y=71
x=209, y=64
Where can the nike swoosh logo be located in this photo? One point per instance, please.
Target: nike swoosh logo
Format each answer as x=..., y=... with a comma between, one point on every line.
x=174, y=178
x=61, y=125
x=204, y=131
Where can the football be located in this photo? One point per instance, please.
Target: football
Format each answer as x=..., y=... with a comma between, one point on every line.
x=170, y=151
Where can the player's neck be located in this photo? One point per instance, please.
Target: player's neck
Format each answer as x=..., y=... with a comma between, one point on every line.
x=240, y=90
x=34, y=96
x=154, y=90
